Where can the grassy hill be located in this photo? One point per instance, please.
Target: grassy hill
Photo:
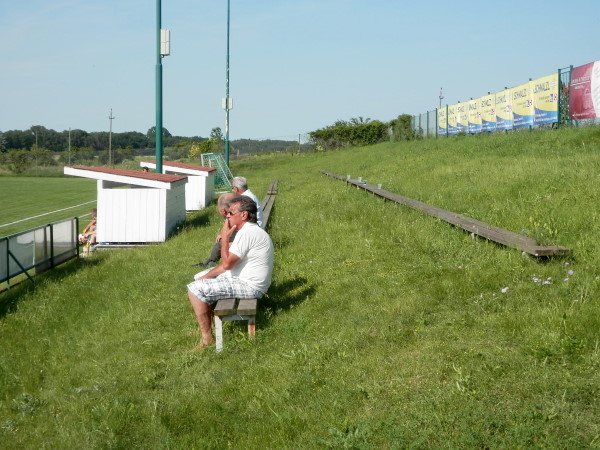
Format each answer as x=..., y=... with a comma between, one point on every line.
x=384, y=328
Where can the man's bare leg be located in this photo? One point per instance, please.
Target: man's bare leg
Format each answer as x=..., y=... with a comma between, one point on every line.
x=203, y=312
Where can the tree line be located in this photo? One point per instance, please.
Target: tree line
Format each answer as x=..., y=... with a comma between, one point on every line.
x=38, y=137
x=39, y=147
x=362, y=131
x=41, y=137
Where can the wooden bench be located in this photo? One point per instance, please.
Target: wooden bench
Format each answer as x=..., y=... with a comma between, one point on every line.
x=268, y=201
x=482, y=229
x=234, y=309
x=231, y=309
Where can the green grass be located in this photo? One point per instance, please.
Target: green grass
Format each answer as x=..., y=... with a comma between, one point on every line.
x=384, y=328
x=24, y=197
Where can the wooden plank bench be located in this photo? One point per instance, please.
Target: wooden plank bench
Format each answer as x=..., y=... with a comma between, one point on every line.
x=231, y=309
x=482, y=229
x=268, y=201
x=234, y=309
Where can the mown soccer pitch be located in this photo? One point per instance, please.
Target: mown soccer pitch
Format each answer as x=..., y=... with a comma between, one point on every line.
x=28, y=202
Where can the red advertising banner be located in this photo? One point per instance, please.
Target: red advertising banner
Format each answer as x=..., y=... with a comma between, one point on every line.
x=584, y=91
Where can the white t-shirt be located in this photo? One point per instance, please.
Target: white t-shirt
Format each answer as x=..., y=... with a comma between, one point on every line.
x=254, y=247
x=259, y=211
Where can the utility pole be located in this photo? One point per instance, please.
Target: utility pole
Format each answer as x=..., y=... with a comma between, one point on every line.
x=69, y=146
x=441, y=97
x=110, y=158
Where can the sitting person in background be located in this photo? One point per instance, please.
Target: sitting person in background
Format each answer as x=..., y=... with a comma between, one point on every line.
x=215, y=251
x=240, y=187
x=89, y=232
x=245, y=270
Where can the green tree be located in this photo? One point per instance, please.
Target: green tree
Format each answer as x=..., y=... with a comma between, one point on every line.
x=41, y=157
x=151, y=133
x=402, y=129
x=78, y=156
x=355, y=132
x=18, y=161
x=198, y=148
x=216, y=134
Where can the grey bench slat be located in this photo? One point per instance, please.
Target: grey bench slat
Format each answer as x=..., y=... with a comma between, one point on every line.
x=247, y=307
x=225, y=307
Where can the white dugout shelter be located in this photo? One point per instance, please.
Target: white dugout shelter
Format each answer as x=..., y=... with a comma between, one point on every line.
x=200, y=188
x=135, y=206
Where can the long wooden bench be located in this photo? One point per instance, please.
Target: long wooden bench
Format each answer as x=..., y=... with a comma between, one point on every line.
x=231, y=309
x=482, y=229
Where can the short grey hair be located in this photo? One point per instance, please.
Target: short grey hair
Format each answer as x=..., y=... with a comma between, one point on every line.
x=224, y=200
x=240, y=183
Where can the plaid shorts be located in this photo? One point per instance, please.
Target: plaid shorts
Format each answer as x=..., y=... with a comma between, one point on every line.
x=213, y=289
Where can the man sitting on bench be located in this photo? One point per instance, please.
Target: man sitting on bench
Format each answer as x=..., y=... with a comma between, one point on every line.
x=245, y=270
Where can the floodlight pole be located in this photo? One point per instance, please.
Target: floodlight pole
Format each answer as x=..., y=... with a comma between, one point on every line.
x=227, y=92
x=159, y=126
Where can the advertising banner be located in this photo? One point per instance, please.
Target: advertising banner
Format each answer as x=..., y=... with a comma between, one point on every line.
x=474, y=115
x=442, y=122
x=504, y=114
x=488, y=112
x=522, y=105
x=452, y=120
x=584, y=91
x=462, y=117
x=545, y=99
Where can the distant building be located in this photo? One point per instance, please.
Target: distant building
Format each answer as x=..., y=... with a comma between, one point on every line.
x=200, y=188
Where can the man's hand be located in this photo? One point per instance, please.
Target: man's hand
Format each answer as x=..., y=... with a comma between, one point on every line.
x=226, y=231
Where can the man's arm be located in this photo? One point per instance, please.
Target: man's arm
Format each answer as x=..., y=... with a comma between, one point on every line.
x=214, y=273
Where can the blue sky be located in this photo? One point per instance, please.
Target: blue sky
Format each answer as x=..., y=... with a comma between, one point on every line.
x=295, y=65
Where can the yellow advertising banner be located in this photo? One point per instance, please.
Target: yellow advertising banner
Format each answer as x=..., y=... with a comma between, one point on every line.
x=504, y=113
x=488, y=112
x=522, y=104
x=462, y=117
x=545, y=99
x=452, y=120
x=474, y=115
x=442, y=122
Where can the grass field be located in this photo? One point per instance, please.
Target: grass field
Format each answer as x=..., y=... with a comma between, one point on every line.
x=384, y=328
x=25, y=197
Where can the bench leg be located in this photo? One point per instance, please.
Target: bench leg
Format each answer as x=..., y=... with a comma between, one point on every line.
x=219, y=333
x=251, y=327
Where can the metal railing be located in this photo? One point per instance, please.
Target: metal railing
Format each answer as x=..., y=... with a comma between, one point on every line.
x=38, y=249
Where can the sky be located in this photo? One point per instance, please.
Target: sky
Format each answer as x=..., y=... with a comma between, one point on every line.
x=295, y=65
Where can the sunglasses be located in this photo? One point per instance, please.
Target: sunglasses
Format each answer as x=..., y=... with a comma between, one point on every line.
x=233, y=213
